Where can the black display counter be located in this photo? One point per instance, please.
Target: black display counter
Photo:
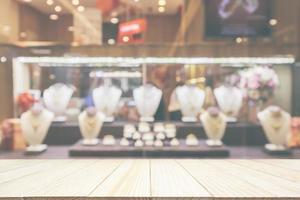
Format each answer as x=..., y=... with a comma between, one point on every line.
x=201, y=150
x=237, y=134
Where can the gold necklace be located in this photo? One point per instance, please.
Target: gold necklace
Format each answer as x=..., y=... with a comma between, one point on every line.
x=275, y=122
x=35, y=121
x=214, y=123
x=90, y=123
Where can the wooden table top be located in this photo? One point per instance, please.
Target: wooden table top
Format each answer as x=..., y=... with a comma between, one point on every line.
x=149, y=179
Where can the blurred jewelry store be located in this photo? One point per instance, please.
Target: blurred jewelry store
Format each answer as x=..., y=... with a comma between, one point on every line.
x=150, y=78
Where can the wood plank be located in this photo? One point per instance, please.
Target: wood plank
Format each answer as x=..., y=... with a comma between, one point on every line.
x=169, y=179
x=131, y=179
x=16, y=173
x=274, y=170
x=284, y=163
x=16, y=182
x=219, y=183
x=278, y=187
x=6, y=165
x=35, y=184
x=82, y=182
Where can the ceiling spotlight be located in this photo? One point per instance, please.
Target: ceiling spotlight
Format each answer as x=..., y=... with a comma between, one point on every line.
x=57, y=8
x=80, y=8
x=71, y=28
x=111, y=41
x=273, y=22
x=50, y=2
x=238, y=40
x=27, y=1
x=125, y=39
x=23, y=34
x=75, y=2
x=136, y=0
x=3, y=59
x=53, y=17
x=162, y=2
x=114, y=20
x=161, y=9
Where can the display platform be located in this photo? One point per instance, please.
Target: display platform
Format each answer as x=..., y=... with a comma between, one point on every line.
x=237, y=134
x=199, y=151
x=162, y=179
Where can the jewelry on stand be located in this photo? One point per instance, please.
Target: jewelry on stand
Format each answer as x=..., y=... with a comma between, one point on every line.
x=106, y=100
x=276, y=124
x=147, y=99
x=191, y=100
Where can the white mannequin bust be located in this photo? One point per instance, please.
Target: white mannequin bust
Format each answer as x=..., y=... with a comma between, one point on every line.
x=106, y=99
x=90, y=124
x=191, y=99
x=56, y=99
x=35, y=124
x=230, y=101
x=214, y=124
x=147, y=99
x=276, y=124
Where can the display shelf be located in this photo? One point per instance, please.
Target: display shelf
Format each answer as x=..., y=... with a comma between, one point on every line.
x=240, y=133
x=88, y=179
x=201, y=150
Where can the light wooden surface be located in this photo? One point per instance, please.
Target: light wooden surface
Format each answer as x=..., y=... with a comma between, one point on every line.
x=149, y=179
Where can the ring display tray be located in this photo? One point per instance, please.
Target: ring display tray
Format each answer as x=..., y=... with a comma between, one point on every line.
x=100, y=150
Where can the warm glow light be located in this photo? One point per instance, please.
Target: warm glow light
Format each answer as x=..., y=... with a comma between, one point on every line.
x=114, y=20
x=23, y=34
x=162, y=2
x=27, y=1
x=50, y=2
x=238, y=40
x=273, y=22
x=111, y=41
x=161, y=9
x=71, y=28
x=75, y=2
x=3, y=59
x=58, y=8
x=125, y=39
x=53, y=17
x=80, y=8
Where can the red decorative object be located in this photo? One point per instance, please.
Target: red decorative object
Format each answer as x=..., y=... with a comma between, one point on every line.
x=295, y=137
x=132, y=31
x=106, y=6
x=25, y=101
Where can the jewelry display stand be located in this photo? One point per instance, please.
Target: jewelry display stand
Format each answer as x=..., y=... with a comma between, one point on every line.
x=214, y=124
x=276, y=124
x=191, y=100
x=90, y=124
x=106, y=99
x=56, y=99
x=147, y=99
x=34, y=125
x=230, y=101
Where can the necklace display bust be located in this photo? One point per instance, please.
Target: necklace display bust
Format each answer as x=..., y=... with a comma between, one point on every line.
x=90, y=124
x=35, y=124
x=214, y=123
x=106, y=99
x=191, y=99
x=230, y=101
x=276, y=124
x=56, y=99
x=147, y=99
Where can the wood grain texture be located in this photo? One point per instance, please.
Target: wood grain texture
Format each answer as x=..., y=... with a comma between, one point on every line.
x=131, y=179
x=168, y=179
x=157, y=179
